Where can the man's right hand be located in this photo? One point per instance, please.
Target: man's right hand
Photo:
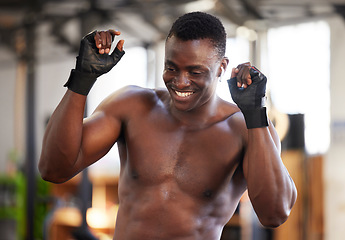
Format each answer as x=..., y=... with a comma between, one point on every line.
x=93, y=60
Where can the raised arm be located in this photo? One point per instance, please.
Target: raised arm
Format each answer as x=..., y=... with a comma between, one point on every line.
x=270, y=188
x=71, y=143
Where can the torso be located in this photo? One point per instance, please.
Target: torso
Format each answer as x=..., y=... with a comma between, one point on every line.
x=177, y=181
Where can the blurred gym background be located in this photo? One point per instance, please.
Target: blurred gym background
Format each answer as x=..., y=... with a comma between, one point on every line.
x=298, y=44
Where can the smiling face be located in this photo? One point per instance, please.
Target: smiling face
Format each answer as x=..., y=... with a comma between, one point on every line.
x=191, y=71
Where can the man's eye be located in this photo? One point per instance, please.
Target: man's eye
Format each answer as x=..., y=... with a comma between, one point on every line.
x=195, y=72
x=171, y=69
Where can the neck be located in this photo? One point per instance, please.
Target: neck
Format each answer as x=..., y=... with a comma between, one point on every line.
x=199, y=117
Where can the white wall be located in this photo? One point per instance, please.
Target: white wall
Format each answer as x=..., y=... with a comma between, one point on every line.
x=334, y=167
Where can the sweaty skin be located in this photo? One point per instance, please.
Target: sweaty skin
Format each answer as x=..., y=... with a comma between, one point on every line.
x=186, y=155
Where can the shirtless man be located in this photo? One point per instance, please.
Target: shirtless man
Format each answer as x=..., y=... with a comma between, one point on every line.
x=187, y=156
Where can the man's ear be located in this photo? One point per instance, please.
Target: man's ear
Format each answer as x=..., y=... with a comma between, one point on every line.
x=223, y=66
x=222, y=72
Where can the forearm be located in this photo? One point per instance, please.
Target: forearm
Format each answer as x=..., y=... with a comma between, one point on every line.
x=63, y=138
x=270, y=188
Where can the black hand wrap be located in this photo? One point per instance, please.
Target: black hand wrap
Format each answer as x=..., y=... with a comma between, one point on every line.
x=90, y=65
x=251, y=100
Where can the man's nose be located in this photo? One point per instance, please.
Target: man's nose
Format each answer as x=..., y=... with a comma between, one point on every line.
x=181, y=81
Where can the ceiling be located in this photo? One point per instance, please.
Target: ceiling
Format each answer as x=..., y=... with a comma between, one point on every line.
x=142, y=21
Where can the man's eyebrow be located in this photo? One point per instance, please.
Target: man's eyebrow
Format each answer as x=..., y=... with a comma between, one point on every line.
x=191, y=67
x=168, y=62
x=196, y=67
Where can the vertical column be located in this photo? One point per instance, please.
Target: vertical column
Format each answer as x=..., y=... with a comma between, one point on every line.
x=30, y=161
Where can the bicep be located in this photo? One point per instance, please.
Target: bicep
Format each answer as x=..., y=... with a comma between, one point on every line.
x=100, y=132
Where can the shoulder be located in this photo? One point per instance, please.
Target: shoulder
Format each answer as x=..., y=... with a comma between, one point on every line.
x=129, y=94
x=232, y=113
x=129, y=99
x=235, y=119
x=132, y=92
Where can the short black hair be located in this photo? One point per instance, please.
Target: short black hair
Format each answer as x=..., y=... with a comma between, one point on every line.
x=200, y=25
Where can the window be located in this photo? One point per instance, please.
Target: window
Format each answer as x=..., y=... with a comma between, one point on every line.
x=299, y=77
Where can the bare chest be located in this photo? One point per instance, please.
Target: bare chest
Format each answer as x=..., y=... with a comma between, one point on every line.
x=200, y=162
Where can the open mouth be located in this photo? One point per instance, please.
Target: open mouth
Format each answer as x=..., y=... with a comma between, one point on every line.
x=183, y=94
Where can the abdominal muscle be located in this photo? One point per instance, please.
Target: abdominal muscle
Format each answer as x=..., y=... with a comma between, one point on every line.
x=165, y=212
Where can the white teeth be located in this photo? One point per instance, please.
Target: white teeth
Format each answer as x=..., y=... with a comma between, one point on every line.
x=183, y=94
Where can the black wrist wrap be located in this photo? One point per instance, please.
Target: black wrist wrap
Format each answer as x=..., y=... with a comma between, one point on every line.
x=80, y=82
x=251, y=100
x=255, y=118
